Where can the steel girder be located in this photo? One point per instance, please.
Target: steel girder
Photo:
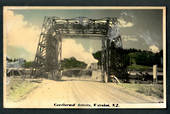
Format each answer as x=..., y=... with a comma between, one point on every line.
x=49, y=49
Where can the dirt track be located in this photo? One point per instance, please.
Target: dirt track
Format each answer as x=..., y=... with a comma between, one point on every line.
x=76, y=91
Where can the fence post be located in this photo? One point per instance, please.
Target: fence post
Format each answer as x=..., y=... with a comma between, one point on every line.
x=155, y=73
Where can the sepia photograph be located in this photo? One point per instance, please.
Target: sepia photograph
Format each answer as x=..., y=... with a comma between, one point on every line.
x=84, y=57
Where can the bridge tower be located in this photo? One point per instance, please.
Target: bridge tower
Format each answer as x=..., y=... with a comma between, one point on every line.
x=48, y=54
x=49, y=50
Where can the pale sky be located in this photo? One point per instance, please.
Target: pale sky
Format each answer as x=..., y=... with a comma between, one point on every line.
x=141, y=29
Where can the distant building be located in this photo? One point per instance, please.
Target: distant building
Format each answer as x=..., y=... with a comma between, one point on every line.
x=17, y=64
x=14, y=68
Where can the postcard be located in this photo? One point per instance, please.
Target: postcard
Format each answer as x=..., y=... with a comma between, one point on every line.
x=84, y=57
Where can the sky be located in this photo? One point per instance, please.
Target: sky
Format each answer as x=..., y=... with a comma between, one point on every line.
x=140, y=29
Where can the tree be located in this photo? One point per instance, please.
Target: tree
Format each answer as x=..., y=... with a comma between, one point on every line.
x=119, y=60
x=72, y=63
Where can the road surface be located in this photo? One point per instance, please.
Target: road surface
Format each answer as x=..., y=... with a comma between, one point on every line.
x=72, y=91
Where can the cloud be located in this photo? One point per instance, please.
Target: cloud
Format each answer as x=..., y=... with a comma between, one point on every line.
x=129, y=38
x=148, y=38
x=20, y=33
x=126, y=19
x=71, y=49
x=124, y=23
x=23, y=38
x=154, y=48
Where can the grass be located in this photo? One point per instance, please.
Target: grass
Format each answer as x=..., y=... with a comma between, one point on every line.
x=18, y=88
x=155, y=90
x=142, y=68
x=139, y=67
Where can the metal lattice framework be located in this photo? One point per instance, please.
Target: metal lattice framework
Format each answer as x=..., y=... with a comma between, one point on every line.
x=49, y=50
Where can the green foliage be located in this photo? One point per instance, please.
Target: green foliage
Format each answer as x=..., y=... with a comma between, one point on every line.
x=146, y=58
x=118, y=62
x=65, y=64
x=122, y=60
x=139, y=67
x=72, y=63
x=28, y=64
x=97, y=56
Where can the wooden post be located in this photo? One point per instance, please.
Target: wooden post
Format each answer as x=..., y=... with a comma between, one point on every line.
x=155, y=73
x=105, y=78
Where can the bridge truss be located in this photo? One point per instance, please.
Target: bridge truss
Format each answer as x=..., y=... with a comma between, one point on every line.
x=49, y=49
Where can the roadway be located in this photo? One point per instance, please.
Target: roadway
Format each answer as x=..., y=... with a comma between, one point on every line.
x=72, y=90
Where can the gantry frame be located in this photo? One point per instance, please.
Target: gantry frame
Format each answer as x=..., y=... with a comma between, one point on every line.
x=49, y=50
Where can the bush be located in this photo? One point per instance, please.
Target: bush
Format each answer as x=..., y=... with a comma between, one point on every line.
x=28, y=64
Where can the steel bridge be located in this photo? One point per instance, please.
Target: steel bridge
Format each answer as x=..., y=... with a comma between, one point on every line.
x=54, y=29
